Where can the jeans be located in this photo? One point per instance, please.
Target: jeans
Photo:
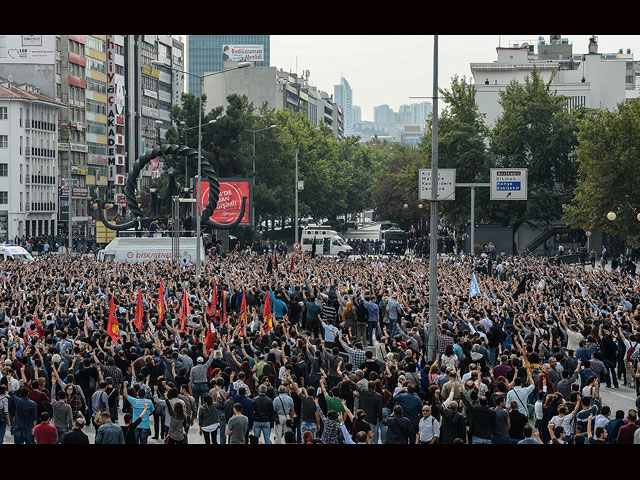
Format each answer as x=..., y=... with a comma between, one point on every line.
x=265, y=428
x=313, y=325
x=610, y=366
x=371, y=326
x=61, y=432
x=393, y=323
x=501, y=440
x=3, y=429
x=477, y=440
x=142, y=434
x=312, y=427
x=314, y=379
x=22, y=435
x=493, y=355
x=114, y=414
x=199, y=389
x=223, y=426
x=380, y=428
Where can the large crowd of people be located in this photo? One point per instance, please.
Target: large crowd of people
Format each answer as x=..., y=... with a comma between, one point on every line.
x=316, y=350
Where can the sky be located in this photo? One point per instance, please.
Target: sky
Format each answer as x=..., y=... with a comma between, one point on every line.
x=388, y=69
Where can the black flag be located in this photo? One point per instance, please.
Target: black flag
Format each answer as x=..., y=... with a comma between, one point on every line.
x=270, y=265
x=313, y=248
x=521, y=289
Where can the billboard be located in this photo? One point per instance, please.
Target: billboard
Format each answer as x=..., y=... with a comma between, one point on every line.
x=508, y=184
x=28, y=49
x=243, y=53
x=115, y=107
x=230, y=200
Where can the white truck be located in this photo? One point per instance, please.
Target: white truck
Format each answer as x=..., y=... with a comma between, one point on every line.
x=123, y=249
x=328, y=242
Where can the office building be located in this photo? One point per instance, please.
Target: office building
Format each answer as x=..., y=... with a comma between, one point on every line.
x=592, y=79
x=279, y=89
x=343, y=94
x=28, y=161
x=357, y=114
x=208, y=52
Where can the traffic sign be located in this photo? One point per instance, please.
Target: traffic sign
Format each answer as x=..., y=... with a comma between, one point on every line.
x=446, y=184
x=508, y=184
x=296, y=246
x=588, y=233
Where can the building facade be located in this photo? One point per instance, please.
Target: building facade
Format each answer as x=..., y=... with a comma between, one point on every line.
x=343, y=94
x=208, y=52
x=28, y=161
x=279, y=89
x=591, y=80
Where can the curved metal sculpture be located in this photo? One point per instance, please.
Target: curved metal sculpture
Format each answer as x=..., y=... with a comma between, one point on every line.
x=208, y=173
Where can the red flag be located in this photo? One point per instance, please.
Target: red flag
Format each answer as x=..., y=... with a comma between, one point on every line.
x=211, y=309
x=210, y=341
x=113, y=329
x=243, y=314
x=267, y=315
x=224, y=307
x=38, y=326
x=184, y=311
x=139, y=312
x=160, y=304
x=292, y=262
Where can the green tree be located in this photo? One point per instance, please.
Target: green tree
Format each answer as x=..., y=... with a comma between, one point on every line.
x=607, y=155
x=535, y=131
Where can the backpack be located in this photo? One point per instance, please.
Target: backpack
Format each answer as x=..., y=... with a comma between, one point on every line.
x=632, y=352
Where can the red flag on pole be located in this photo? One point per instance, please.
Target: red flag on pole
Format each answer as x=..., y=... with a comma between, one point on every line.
x=243, y=314
x=113, y=329
x=210, y=341
x=184, y=311
x=139, y=312
x=211, y=309
x=38, y=326
x=160, y=304
x=224, y=307
x=267, y=315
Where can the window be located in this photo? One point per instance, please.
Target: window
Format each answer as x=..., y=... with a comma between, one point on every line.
x=3, y=113
x=58, y=90
x=95, y=107
x=96, y=44
x=96, y=86
x=4, y=198
x=58, y=68
x=4, y=141
x=4, y=169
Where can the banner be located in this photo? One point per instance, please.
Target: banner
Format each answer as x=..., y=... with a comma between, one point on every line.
x=229, y=201
x=28, y=49
x=243, y=53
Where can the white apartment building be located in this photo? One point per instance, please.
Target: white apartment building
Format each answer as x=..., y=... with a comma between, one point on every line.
x=592, y=80
x=28, y=161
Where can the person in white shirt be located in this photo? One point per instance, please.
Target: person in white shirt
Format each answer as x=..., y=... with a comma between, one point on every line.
x=428, y=427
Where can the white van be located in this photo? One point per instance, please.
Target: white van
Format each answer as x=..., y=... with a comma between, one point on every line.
x=14, y=252
x=124, y=249
x=328, y=242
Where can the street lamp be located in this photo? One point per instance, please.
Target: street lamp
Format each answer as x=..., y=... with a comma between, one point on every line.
x=253, y=211
x=611, y=216
x=198, y=210
x=185, y=130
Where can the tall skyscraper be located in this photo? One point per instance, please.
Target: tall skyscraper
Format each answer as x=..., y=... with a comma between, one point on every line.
x=343, y=96
x=357, y=114
x=207, y=53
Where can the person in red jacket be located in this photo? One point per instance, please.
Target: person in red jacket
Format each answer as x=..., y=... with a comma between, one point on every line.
x=45, y=433
x=543, y=379
x=626, y=432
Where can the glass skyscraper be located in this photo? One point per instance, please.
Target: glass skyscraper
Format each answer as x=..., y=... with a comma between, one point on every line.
x=206, y=52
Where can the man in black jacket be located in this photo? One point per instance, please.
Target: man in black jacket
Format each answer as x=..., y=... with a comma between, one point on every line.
x=371, y=403
x=264, y=415
x=76, y=436
x=453, y=425
x=399, y=428
x=482, y=422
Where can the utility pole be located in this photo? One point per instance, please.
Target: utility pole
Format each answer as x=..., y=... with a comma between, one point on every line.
x=296, y=219
x=433, y=254
x=69, y=201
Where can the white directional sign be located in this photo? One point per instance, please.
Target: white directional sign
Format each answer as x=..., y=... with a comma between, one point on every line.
x=446, y=184
x=508, y=184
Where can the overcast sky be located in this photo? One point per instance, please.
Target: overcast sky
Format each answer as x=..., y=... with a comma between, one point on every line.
x=388, y=69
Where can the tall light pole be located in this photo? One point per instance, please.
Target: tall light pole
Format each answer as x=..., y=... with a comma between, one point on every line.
x=433, y=254
x=198, y=209
x=253, y=181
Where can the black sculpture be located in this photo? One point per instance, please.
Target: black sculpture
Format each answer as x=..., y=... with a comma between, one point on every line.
x=208, y=173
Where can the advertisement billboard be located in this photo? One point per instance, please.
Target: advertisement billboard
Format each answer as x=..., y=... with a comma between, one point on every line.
x=243, y=53
x=230, y=200
x=28, y=49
